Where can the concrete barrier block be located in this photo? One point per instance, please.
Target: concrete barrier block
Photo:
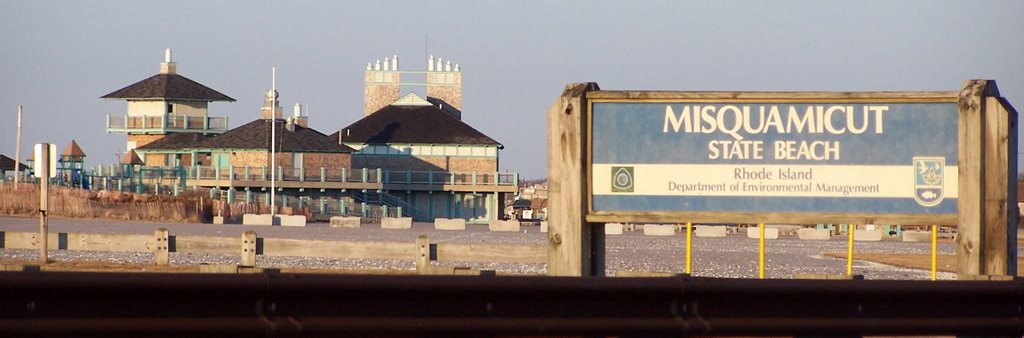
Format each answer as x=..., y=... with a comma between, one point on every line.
x=917, y=236
x=544, y=226
x=396, y=223
x=613, y=228
x=710, y=231
x=659, y=230
x=345, y=222
x=505, y=226
x=867, y=235
x=449, y=224
x=808, y=234
x=769, y=233
x=254, y=219
x=291, y=221
x=785, y=229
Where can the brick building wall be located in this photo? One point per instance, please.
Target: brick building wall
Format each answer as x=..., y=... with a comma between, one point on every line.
x=143, y=139
x=284, y=160
x=254, y=159
x=326, y=160
x=155, y=160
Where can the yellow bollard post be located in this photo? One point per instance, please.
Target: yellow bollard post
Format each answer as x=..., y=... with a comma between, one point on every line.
x=689, y=249
x=760, y=253
x=849, y=249
x=935, y=236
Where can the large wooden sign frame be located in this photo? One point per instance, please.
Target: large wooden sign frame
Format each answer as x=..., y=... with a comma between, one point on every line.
x=984, y=174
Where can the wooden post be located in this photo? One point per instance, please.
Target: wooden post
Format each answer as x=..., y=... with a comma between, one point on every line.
x=249, y=248
x=161, y=255
x=422, y=255
x=1012, y=209
x=44, y=197
x=17, y=152
x=570, y=237
x=987, y=188
x=968, y=246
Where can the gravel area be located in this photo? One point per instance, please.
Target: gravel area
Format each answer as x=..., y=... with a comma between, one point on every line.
x=734, y=256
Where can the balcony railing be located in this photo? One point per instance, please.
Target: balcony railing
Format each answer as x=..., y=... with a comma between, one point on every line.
x=359, y=175
x=166, y=123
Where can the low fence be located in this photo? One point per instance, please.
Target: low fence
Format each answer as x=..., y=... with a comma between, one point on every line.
x=23, y=199
x=249, y=245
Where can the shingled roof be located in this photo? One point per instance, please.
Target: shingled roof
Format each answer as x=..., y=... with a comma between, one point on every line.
x=412, y=124
x=256, y=135
x=176, y=141
x=168, y=86
x=7, y=163
x=73, y=149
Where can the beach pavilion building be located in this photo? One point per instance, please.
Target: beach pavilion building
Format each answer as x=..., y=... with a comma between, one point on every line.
x=434, y=164
x=408, y=156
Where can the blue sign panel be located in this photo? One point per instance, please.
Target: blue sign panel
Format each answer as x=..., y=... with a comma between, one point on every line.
x=867, y=158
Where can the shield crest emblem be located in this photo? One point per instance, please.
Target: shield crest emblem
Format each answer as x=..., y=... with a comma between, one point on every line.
x=928, y=180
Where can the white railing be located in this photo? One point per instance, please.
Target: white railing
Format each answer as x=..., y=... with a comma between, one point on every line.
x=181, y=123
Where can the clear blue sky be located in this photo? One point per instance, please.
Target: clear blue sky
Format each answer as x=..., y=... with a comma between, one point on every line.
x=59, y=57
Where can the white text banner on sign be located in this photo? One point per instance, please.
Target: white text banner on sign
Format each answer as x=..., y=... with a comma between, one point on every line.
x=774, y=157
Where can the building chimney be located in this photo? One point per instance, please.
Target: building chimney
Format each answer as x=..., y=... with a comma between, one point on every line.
x=270, y=102
x=168, y=66
x=445, y=82
x=297, y=116
x=381, y=85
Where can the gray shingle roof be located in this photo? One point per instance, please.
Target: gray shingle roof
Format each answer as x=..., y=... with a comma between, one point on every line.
x=413, y=124
x=7, y=163
x=256, y=135
x=168, y=86
x=176, y=141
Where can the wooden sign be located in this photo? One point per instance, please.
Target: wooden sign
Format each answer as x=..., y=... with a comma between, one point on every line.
x=774, y=157
x=783, y=157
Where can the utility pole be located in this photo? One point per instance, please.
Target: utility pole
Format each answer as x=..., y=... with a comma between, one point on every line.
x=273, y=140
x=17, y=152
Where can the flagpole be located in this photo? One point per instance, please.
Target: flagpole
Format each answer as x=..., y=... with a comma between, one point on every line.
x=273, y=141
